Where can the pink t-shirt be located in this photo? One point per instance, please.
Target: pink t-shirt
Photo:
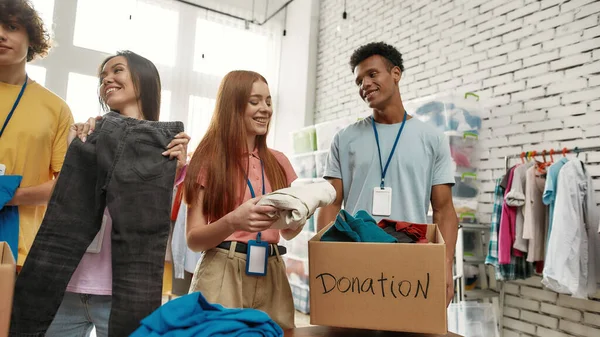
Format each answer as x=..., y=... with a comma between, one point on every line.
x=94, y=273
x=255, y=177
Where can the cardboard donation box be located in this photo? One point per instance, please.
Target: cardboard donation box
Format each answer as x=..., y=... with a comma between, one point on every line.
x=7, y=285
x=379, y=286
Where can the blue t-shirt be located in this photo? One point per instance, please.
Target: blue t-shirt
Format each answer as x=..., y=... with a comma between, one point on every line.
x=422, y=160
x=549, y=196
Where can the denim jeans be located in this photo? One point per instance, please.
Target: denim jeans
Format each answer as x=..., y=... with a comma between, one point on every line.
x=79, y=313
x=121, y=167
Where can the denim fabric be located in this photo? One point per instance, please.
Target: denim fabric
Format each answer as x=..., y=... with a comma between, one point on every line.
x=121, y=167
x=79, y=313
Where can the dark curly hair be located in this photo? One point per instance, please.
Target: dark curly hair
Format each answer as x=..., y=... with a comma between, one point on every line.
x=22, y=13
x=392, y=56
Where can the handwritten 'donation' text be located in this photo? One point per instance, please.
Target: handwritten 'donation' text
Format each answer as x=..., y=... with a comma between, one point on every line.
x=381, y=286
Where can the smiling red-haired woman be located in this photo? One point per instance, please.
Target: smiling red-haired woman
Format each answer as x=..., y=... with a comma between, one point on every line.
x=229, y=172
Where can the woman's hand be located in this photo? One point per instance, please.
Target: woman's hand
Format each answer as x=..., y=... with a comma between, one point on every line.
x=82, y=130
x=177, y=148
x=252, y=218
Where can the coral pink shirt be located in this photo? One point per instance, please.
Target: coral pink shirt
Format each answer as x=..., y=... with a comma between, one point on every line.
x=255, y=177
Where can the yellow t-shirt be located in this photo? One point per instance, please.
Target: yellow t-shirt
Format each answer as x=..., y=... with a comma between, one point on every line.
x=33, y=145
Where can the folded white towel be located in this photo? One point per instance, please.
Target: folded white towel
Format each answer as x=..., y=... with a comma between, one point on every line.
x=297, y=204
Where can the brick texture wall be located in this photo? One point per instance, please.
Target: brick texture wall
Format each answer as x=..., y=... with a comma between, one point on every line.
x=536, y=66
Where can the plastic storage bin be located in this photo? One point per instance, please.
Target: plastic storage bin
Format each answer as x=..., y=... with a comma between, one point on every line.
x=296, y=269
x=464, y=150
x=472, y=319
x=304, y=165
x=466, y=209
x=321, y=162
x=327, y=130
x=301, y=295
x=304, y=140
x=447, y=112
x=466, y=186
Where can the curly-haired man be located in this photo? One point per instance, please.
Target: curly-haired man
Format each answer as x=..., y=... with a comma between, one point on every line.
x=34, y=122
x=389, y=164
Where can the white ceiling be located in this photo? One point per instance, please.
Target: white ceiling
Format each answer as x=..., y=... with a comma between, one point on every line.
x=243, y=8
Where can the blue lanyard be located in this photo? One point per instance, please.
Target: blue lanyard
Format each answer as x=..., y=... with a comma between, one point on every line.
x=263, y=182
x=384, y=169
x=14, y=105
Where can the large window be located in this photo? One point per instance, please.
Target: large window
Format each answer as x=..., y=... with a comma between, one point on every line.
x=102, y=25
x=82, y=96
x=36, y=73
x=154, y=33
x=144, y=27
x=232, y=48
x=165, y=105
x=201, y=110
x=46, y=10
x=155, y=30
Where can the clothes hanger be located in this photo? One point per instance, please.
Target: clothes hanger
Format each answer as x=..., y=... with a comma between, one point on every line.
x=541, y=166
x=552, y=155
x=523, y=157
x=564, y=152
x=544, y=156
x=576, y=150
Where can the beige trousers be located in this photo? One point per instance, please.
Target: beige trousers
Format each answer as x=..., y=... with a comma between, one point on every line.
x=221, y=278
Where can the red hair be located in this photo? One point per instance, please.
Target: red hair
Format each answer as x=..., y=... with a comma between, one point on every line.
x=219, y=156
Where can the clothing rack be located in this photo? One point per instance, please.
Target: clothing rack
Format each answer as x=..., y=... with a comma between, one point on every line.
x=564, y=151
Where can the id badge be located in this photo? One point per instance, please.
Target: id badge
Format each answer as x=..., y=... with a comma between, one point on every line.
x=382, y=201
x=256, y=257
x=2, y=169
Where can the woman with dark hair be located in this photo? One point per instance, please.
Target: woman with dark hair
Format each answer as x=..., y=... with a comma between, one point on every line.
x=229, y=172
x=130, y=85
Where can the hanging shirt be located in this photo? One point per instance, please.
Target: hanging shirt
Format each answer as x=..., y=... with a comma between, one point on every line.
x=571, y=265
x=535, y=225
x=550, y=189
x=492, y=256
x=516, y=198
x=33, y=145
x=507, y=226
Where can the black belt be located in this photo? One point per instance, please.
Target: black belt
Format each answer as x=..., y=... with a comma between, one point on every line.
x=241, y=247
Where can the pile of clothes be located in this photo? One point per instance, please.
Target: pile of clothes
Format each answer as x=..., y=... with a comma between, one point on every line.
x=363, y=228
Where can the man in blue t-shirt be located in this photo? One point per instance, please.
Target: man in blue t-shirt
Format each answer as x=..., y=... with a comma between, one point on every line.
x=389, y=164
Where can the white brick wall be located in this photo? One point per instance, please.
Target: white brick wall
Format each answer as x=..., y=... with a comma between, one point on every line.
x=535, y=65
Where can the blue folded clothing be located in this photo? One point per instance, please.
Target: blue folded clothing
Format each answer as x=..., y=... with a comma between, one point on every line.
x=358, y=228
x=9, y=215
x=192, y=316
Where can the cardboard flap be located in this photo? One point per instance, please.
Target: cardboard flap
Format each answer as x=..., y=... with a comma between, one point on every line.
x=7, y=284
x=6, y=256
x=318, y=236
